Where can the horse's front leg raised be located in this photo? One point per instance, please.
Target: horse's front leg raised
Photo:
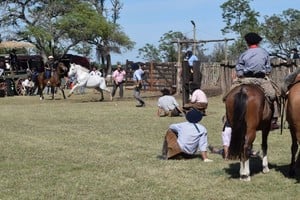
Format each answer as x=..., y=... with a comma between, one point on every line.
x=264, y=147
x=72, y=90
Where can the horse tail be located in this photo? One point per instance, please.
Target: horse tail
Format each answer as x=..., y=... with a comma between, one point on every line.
x=238, y=125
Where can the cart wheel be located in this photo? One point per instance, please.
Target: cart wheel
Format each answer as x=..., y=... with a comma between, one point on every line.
x=19, y=87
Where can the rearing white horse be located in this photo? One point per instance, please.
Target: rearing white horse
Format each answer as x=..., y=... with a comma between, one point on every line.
x=87, y=79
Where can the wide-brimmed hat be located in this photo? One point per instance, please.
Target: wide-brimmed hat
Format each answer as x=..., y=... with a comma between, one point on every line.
x=252, y=38
x=194, y=116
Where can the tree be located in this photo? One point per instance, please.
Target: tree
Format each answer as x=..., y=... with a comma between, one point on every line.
x=282, y=31
x=240, y=19
x=57, y=26
x=149, y=53
x=167, y=48
x=113, y=39
x=166, y=51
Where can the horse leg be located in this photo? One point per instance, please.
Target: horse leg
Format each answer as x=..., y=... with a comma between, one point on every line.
x=264, y=146
x=52, y=92
x=63, y=92
x=294, y=149
x=105, y=88
x=72, y=90
x=108, y=92
x=40, y=92
x=101, y=92
x=245, y=162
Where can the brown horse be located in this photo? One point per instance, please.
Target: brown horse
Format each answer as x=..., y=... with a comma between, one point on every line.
x=248, y=110
x=53, y=82
x=293, y=119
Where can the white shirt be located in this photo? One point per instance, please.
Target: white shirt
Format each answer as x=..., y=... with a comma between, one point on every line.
x=167, y=102
x=199, y=96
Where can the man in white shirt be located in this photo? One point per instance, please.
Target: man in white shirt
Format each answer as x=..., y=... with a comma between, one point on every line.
x=187, y=137
x=167, y=105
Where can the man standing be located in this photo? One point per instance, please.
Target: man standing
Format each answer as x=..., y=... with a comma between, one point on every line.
x=118, y=77
x=137, y=77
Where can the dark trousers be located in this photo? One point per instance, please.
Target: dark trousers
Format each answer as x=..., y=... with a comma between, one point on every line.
x=137, y=95
x=115, y=87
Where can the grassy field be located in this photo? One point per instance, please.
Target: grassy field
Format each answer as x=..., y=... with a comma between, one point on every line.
x=82, y=149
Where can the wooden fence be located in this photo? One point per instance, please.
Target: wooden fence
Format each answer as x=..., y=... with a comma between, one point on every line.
x=213, y=75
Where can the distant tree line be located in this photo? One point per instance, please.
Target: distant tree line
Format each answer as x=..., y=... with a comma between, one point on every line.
x=281, y=33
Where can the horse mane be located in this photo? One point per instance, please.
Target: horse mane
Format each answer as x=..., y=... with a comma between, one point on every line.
x=81, y=67
x=238, y=124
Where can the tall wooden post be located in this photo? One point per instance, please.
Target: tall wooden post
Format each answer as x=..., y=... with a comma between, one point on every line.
x=179, y=69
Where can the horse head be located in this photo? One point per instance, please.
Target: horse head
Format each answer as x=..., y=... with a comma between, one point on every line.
x=72, y=70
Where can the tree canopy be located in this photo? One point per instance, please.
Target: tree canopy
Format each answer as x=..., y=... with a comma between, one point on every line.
x=57, y=26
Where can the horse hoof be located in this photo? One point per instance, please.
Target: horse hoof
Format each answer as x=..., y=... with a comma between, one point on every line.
x=101, y=99
x=245, y=178
x=266, y=170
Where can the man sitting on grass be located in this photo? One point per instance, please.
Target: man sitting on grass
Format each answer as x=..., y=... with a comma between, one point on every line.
x=186, y=138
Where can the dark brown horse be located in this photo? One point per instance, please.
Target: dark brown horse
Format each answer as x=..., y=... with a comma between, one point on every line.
x=248, y=110
x=293, y=119
x=53, y=82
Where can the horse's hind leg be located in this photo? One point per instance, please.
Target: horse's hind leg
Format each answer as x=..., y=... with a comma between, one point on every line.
x=109, y=93
x=264, y=146
x=294, y=149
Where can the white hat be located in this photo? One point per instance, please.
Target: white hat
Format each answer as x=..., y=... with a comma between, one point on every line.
x=50, y=57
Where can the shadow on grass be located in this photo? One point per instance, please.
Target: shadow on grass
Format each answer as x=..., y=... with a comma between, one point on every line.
x=256, y=168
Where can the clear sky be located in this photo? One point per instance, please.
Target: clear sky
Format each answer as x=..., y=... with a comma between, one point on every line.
x=145, y=21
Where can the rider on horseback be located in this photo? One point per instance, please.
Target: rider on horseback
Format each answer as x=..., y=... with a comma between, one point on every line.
x=254, y=67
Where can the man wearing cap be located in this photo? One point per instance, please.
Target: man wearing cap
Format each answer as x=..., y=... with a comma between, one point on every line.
x=49, y=66
x=254, y=67
x=118, y=77
x=186, y=138
x=167, y=105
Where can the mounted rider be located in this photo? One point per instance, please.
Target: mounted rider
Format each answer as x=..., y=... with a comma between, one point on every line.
x=253, y=67
x=49, y=67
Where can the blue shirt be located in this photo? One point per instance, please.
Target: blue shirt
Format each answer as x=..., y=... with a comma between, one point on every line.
x=253, y=60
x=192, y=59
x=137, y=75
x=190, y=138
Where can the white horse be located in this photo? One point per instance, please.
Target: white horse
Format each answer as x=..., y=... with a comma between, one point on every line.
x=87, y=79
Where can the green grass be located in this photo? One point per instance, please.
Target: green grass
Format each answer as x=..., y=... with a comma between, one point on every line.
x=82, y=149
